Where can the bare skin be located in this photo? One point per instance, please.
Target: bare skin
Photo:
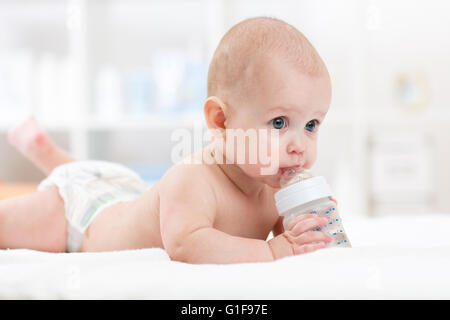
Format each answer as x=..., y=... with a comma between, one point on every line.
x=34, y=221
x=30, y=140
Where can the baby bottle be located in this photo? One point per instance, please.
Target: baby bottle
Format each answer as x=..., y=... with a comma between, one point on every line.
x=302, y=193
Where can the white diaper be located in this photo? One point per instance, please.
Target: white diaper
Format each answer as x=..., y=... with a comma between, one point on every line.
x=88, y=187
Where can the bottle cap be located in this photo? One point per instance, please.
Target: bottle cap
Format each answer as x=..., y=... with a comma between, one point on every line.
x=301, y=192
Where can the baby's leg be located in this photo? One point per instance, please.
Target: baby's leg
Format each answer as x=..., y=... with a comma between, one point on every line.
x=34, y=144
x=35, y=221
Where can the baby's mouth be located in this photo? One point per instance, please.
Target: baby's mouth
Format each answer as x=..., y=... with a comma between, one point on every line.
x=282, y=171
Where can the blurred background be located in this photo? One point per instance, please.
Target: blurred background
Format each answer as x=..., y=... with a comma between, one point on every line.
x=112, y=80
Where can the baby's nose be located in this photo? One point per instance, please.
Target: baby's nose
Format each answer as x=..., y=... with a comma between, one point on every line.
x=296, y=145
x=294, y=149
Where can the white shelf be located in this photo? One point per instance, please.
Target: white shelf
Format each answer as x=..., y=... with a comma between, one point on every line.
x=389, y=117
x=88, y=36
x=123, y=123
x=145, y=122
x=396, y=116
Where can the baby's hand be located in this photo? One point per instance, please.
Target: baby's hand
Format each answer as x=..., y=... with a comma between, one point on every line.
x=300, y=236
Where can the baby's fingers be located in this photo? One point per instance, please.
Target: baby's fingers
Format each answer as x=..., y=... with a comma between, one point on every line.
x=301, y=217
x=310, y=247
x=307, y=224
x=312, y=236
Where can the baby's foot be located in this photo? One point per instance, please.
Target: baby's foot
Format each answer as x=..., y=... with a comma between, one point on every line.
x=29, y=138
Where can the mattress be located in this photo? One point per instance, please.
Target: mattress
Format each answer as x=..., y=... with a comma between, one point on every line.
x=398, y=257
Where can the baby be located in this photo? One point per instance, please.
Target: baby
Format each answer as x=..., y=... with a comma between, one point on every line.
x=264, y=75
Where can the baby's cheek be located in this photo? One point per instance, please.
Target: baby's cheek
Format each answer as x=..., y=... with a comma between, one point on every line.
x=311, y=156
x=252, y=170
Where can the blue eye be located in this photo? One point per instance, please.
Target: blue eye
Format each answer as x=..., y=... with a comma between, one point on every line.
x=278, y=123
x=311, y=126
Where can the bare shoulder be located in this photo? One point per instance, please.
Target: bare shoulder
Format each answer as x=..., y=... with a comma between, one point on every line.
x=182, y=174
x=184, y=182
x=186, y=200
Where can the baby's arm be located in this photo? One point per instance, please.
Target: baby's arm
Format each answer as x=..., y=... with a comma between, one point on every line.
x=187, y=214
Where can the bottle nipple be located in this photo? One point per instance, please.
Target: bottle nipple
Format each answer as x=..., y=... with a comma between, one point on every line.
x=294, y=175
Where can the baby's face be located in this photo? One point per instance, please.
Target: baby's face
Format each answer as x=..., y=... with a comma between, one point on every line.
x=288, y=101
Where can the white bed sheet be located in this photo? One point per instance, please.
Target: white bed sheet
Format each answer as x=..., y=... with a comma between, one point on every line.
x=392, y=258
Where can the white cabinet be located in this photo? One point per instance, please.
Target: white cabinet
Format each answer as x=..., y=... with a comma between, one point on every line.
x=84, y=66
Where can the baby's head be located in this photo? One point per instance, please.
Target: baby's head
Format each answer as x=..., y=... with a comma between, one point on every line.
x=266, y=75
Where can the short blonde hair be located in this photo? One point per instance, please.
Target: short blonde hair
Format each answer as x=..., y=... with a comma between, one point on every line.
x=254, y=38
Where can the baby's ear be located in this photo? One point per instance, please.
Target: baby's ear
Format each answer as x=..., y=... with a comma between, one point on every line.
x=214, y=111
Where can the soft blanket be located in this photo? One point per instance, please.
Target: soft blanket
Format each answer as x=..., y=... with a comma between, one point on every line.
x=392, y=258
